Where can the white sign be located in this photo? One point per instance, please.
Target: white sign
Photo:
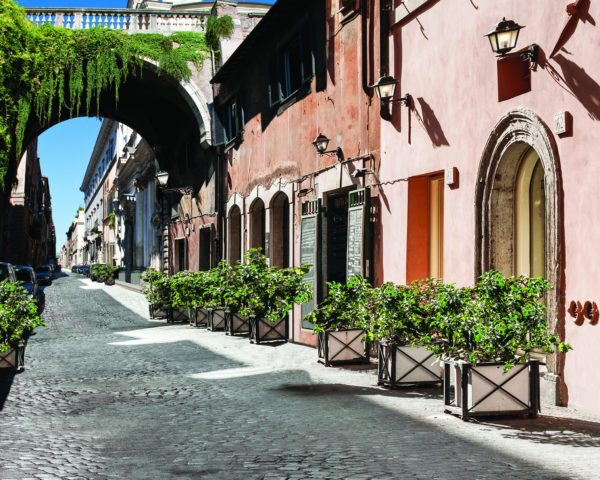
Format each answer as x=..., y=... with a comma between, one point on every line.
x=560, y=123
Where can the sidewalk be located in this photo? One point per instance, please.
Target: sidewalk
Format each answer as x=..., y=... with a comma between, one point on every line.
x=562, y=441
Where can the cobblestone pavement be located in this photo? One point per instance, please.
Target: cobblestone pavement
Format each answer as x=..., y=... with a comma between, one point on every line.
x=109, y=394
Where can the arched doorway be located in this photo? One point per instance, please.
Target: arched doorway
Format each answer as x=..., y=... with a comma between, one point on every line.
x=280, y=230
x=234, y=247
x=257, y=224
x=518, y=222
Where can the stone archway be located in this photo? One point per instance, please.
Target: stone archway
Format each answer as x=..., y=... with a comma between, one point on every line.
x=518, y=131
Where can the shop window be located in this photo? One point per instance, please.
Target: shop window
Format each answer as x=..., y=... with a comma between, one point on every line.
x=425, y=235
x=180, y=255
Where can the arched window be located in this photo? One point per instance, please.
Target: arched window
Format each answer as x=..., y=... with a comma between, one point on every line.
x=530, y=224
x=280, y=229
x=257, y=224
x=234, y=247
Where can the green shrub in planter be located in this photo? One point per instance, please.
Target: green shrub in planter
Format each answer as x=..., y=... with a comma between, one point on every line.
x=269, y=295
x=343, y=321
x=101, y=272
x=487, y=344
x=18, y=318
x=157, y=289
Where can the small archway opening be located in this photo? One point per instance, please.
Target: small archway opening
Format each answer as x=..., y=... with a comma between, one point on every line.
x=280, y=231
x=234, y=246
x=257, y=224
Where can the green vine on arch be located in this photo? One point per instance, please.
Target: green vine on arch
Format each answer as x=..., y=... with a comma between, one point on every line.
x=51, y=71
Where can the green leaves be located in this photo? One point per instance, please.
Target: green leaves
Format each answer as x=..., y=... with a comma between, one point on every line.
x=18, y=315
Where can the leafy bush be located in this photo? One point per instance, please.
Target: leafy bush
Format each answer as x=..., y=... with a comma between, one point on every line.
x=103, y=273
x=270, y=292
x=347, y=306
x=501, y=319
x=157, y=288
x=18, y=315
x=189, y=289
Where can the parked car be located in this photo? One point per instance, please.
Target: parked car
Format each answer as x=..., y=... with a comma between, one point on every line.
x=26, y=275
x=84, y=270
x=43, y=273
x=7, y=272
x=74, y=269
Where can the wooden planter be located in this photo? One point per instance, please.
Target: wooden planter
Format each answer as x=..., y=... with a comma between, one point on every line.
x=14, y=359
x=262, y=330
x=486, y=390
x=198, y=317
x=235, y=324
x=216, y=319
x=178, y=315
x=342, y=347
x=158, y=311
x=404, y=365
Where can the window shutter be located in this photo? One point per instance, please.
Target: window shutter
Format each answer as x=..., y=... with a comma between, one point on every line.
x=308, y=61
x=359, y=253
x=218, y=127
x=310, y=253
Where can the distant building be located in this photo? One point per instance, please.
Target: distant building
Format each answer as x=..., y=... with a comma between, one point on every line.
x=72, y=252
x=28, y=233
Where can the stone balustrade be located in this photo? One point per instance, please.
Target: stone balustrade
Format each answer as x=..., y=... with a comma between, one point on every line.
x=128, y=20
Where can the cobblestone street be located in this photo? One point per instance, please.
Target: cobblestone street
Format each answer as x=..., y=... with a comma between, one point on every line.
x=108, y=393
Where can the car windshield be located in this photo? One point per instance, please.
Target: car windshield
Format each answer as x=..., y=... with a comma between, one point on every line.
x=23, y=275
x=3, y=272
x=43, y=269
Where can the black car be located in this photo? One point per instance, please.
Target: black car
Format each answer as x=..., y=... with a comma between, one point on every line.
x=7, y=272
x=74, y=269
x=26, y=276
x=43, y=273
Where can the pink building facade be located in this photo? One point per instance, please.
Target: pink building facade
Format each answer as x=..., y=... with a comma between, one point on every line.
x=491, y=166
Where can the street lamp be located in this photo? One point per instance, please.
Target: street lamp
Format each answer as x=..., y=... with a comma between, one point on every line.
x=162, y=178
x=386, y=87
x=503, y=38
x=321, y=142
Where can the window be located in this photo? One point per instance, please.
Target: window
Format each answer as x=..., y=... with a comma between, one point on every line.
x=231, y=116
x=291, y=67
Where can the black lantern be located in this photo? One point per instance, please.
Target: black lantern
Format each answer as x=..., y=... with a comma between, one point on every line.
x=162, y=178
x=385, y=87
x=503, y=38
x=321, y=143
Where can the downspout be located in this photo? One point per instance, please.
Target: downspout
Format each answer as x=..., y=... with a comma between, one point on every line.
x=385, y=7
x=220, y=200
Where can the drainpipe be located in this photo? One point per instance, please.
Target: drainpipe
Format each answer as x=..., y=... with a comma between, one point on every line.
x=385, y=7
x=221, y=195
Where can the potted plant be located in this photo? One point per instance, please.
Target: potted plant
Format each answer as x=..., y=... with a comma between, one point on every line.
x=192, y=289
x=487, y=344
x=157, y=288
x=271, y=295
x=234, y=296
x=402, y=326
x=216, y=286
x=342, y=322
x=182, y=294
x=18, y=318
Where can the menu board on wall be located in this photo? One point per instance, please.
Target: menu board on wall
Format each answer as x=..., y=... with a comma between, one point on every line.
x=308, y=253
x=355, y=242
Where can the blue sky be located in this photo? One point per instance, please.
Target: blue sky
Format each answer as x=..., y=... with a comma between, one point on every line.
x=65, y=149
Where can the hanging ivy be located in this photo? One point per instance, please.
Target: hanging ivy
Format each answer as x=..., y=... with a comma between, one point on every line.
x=47, y=71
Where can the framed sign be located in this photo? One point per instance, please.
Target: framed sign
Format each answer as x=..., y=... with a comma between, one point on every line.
x=310, y=252
x=359, y=244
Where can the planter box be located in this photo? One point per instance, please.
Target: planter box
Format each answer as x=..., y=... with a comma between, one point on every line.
x=158, y=311
x=198, y=317
x=216, y=319
x=404, y=365
x=485, y=390
x=178, y=315
x=14, y=359
x=235, y=324
x=342, y=347
x=262, y=330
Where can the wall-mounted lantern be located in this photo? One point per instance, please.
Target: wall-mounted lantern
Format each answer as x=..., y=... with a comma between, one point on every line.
x=385, y=89
x=162, y=178
x=504, y=37
x=321, y=142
